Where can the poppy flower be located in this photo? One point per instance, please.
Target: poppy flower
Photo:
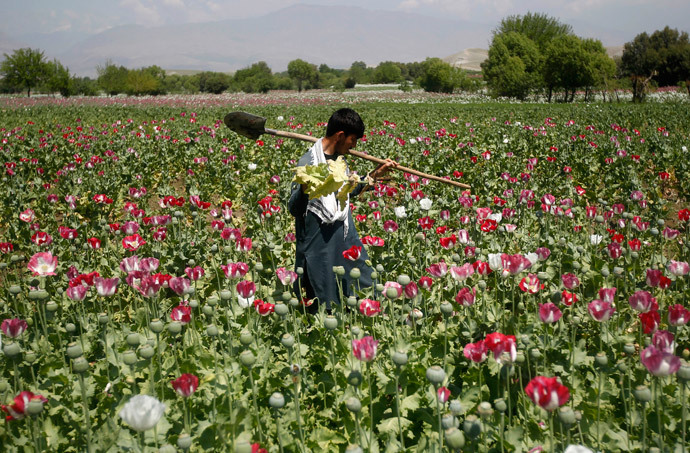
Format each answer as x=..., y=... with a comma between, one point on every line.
x=547, y=393
x=369, y=307
x=476, y=352
x=353, y=253
x=133, y=242
x=13, y=327
x=17, y=410
x=43, y=264
x=659, y=363
x=365, y=348
x=185, y=385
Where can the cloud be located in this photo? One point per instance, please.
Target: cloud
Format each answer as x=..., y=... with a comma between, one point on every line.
x=142, y=14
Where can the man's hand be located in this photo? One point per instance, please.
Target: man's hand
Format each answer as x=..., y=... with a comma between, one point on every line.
x=383, y=169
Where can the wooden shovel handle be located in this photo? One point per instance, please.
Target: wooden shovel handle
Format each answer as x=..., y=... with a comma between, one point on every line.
x=362, y=155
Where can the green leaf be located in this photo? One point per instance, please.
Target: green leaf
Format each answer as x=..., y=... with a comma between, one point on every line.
x=326, y=438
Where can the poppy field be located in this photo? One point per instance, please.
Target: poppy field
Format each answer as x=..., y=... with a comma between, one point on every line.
x=147, y=268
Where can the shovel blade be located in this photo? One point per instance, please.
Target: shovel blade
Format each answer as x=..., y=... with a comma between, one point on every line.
x=246, y=124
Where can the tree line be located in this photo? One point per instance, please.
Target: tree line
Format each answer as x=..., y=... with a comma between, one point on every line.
x=528, y=55
x=536, y=54
x=27, y=70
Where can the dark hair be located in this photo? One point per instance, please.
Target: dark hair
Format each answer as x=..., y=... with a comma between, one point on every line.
x=346, y=120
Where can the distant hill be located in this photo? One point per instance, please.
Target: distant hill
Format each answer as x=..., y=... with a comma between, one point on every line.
x=334, y=35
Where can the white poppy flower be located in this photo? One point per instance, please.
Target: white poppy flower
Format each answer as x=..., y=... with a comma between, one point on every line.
x=142, y=412
x=425, y=204
x=400, y=212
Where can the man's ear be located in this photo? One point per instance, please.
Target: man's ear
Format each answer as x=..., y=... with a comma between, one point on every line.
x=340, y=135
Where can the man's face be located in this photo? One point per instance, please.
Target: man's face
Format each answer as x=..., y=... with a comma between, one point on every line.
x=345, y=143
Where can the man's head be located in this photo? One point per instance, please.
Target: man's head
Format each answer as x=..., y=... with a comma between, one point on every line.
x=344, y=128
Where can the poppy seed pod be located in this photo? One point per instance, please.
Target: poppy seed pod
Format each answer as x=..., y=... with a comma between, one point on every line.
x=455, y=407
x=352, y=302
x=34, y=407
x=281, y=309
x=14, y=289
x=146, y=351
x=403, y=279
x=39, y=294
x=436, y=375
x=243, y=447
x=601, y=360
x=175, y=327
x=74, y=350
x=354, y=378
x=446, y=308
x=207, y=310
x=500, y=405
x=156, y=326
x=374, y=275
x=30, y=357
x=485, y=410
x=184, y=441
x=212, y=330
x=355, y=273
x=277, y=400
x=399, y=358
x=449, y=421
x=246, y=337
x=12, y=349
x=70, y=327
x=133, y=339
x=287, y=340
x=330, y=322
x=683, y=372
x=455, y=439
x=103, y=318
x=129, y=357
x=51, y=306
x=472, y=426
x=80, y=365
x=247, y=358
x=353, y=404
x=642, y=394
x=566, y=415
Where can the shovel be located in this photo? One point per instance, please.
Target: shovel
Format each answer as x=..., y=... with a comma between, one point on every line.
x=252, y=126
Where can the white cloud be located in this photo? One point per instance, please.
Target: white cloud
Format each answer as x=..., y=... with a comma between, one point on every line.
x=142, y=14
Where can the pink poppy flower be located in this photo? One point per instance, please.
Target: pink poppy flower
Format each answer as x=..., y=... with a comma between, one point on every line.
x=235, y=270
x=43, y=264
x=678, y=315
x=600, y=310
x=181, y=313
x=13, y=327
x=286, y=277
x=17, y=410
x=549, y=313
x=364, y=349
x=106, y=287
x=476, y=352
x=132, y=242
x=465, y=297
x=263, y=308
x=659, y=363
x=369, y=307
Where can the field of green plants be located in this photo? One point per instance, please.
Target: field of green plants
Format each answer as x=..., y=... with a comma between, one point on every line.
x=147, y=260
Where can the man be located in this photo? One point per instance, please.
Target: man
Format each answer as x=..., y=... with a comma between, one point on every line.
x=323, y=229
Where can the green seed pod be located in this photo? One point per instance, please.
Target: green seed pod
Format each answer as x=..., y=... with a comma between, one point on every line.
x=403, y=279
x=392, y=293
x=542, y=276
x=225, y=294
x=355, y=273
x=455, y=439
x=212, y=330
x=146, y=351
x=287, y=340
x=16, y=258
x=300, y=270
x=247, y=358
x=642, y=394
x=227, y=249
x=214, y=248
x=412, y=260
x=80, y=365
x=599, y=219
x=352, y=302
x=174, y=327
x=580, y=249
x=521, y=306
x=472, y=426
x=339, y=271
x=184, y=441
x=605, y=272
x=133, y=340
x=354, y=378
x=622, y=367
x=74, y=350
x=294, y=303
x=285, y=296
x=34, y=407
x=243, y=447
x=446, y=308
x=70, y=327
x=374, y=275
x=436, y=375
x=482, y=285
x=576, y=265
x=14, y=289
x=4, y=386
x=449, y=421
x=562, y=242
x=103, y=318
x=379, y=268
x=281, y=309
x=39, y=294
x=601, y=360
x=380, y=287
x=654, y=231
x=634, y=255
x=500, y=405
x=259, y=266
x=399, y=358
x=455, y=407
x=485, y=410
x=207, y=310
x=129, y=357
x=277, y=400
x=353, y=404
x=156, y=325
x=661, y=222
x=51, y=306
x=12, y=350
x=356, y=331
x=246, y=337
x=535, y=353
x=213, y=300
x=683, y=372
x=577, y=320
x=629, y=348
x=566, y=416
x=330, y=322
x=30, y=357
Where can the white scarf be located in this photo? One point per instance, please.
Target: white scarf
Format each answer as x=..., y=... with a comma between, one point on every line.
x=327, y=208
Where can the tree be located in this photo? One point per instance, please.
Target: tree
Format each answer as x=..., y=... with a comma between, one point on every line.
x=664, y=57
x=140, y=82
x=214, y=82
x=387, y=72
x=84, y=86
x=513, y=66
x=359, y=72
x=112, y=79
x=258, y=78
x=601, y=69
x=58, y=79
x=540, y=28
x=440, y=77
x=25, y=68
x=301, y=71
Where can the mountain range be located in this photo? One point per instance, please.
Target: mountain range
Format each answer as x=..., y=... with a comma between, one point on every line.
x=333, y=35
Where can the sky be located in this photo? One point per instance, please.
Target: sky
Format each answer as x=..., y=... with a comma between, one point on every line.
x=92, y=16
